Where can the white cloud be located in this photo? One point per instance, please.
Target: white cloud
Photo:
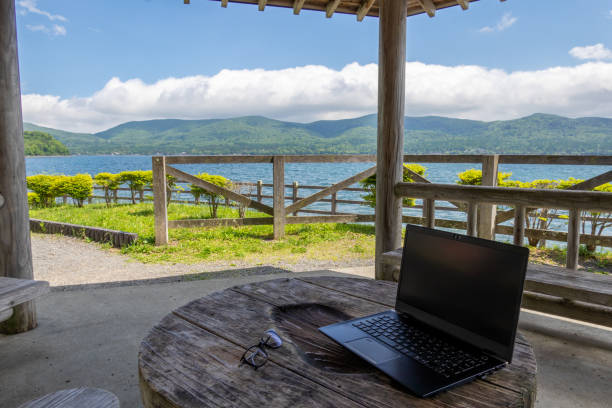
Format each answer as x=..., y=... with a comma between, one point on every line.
x=30, y=6
x=506, y=22
x=54, y=30
x=591, y=52
x=312, y=92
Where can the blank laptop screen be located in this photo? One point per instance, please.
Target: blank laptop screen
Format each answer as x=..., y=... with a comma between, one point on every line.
x=468, y=287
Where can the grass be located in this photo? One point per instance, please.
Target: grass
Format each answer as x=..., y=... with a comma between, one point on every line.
x=597, y=262
x=251, y=244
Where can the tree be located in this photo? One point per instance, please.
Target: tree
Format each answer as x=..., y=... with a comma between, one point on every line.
x=136, y=181
x=213, y=199
x=109, y=182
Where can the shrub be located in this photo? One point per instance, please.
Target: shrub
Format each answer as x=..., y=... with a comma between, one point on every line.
x=78, y=187
x=213, y=199
x=136, y=181
x=44, y=186
x=473, y=177
x=369, y=184
x=33, y=200
x=109, y=183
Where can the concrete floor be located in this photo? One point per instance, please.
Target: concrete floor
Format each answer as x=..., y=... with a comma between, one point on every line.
x=89, y=336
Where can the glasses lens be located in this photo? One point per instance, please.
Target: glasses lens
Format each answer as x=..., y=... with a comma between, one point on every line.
x=273, y=340
x=255, y=356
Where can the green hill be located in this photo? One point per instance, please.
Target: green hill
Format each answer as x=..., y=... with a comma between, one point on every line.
x=535, y=134
x=43, y=144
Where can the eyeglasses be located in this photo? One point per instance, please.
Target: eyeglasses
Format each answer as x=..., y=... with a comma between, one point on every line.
x=256, y=355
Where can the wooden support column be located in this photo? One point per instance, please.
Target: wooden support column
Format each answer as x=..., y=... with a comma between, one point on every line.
x=390, y=142
x=259, y=190
x=294, y=195
x=519, y=225
x=160, y=203
x=573, y=239
x=472, y=219
x=279, y=196
x=15, y=247
x=429, y=213
x=488, y=212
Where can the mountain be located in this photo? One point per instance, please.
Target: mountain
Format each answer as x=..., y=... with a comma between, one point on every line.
x=43, y=144
x=535, y=134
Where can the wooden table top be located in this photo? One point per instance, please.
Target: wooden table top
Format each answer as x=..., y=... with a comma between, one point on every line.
x=192, y=357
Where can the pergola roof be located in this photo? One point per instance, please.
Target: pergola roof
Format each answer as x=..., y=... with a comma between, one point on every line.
x=360, y=8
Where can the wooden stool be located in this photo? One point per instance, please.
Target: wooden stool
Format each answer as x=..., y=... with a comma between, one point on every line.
x=76, y=398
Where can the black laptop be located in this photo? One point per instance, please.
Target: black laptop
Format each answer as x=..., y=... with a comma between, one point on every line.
x=455, y=316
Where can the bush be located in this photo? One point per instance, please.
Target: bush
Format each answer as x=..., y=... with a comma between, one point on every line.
x=369, y=184
x=213, y=199
x=34, y=200
x=136, y=181
x=44, y=186
x=109, y=183
x=473, y=177
x=78, y=187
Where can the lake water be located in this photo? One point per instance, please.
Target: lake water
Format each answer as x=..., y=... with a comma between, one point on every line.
x=304, y=174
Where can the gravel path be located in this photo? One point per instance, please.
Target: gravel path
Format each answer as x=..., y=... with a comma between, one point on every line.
x=65, y=261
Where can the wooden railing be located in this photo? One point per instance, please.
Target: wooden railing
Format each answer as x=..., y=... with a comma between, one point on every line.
x=478, y=202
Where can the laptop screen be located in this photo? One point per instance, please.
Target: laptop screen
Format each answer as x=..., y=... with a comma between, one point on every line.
x=468, y=287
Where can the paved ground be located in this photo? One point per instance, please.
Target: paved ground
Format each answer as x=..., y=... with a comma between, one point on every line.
x=89, y=334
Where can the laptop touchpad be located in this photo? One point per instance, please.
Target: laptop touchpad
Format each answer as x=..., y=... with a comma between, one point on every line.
x=371, y=350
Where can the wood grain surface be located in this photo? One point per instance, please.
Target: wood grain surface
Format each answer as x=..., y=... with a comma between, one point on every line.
x=76, y=398
x=192, y=357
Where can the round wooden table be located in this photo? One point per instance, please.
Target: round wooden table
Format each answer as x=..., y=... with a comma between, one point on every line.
x=192, y=357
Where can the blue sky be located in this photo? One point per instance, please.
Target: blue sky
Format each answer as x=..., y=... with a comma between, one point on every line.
x=104, y=60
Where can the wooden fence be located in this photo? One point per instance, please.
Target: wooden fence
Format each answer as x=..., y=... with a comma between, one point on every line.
x=482, y=216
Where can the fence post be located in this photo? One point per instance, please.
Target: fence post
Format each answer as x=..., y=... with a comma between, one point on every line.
x=519, y=224
x=573, y=239
x=487, y=212
x=279, y=196
x=259, y=189
x=429, y=213
x=472, y=219
x=294, y=195
x=334, y=203
x=160, y=205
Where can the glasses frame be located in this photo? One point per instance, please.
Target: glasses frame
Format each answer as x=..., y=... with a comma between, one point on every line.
x=259, y=348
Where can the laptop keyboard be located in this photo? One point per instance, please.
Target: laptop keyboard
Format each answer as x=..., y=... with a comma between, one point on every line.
x=431, y=351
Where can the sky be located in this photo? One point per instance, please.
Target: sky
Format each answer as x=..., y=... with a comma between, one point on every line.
x=90, y=65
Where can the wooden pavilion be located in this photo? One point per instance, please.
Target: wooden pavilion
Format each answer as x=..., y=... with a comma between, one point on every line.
x=15, y=247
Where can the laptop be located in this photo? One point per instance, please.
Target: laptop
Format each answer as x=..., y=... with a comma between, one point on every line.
x=455, y=316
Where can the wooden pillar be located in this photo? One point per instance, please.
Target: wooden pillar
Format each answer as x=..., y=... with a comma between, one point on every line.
x=487, y=212
x=334, y=203
x=390, y=142
x=519, y=225
x=259, y=190
x=294, y=195
x=160, y=203
x=279, y=196
x=15, y=247
x=472, y=219
x=573, y=239
x=429, y=213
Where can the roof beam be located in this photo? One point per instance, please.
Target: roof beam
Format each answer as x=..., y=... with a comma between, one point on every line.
x=297, y=6
x=331, y=7
x=465, y=4
x=365, y=7
x=262, y=4
x=428, y=6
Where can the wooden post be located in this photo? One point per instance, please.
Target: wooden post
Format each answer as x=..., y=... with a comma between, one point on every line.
x=472, y=219
x=429, y=213
x=160, y=205
x=334, y=203
x=519, y=224
x=294, y=195
x=573, y=239
x=259, y=189
x=390, y=141
x=279, y=196
x=487, y=212
x=15, y=246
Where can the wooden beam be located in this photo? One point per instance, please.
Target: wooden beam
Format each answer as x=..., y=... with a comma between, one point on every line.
x=262, y=5
x=465, y=4
x=573, y=239
x=472, y=219
x=331, y=189
x=297, y=6
x=213, y=188
x=15, y=246
x=519, y=225
x=488, y=212
x=278, y=196
x=416, y=177
x=363, y=10
x=390, y=132
x=160, y=200
x=428, y=6
x=331, y=7
x=224, y=3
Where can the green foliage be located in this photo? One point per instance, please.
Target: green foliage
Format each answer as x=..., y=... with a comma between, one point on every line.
x=44, y=186
x=33, y=200
x=136, y=181
x=43, y=144
x=473, y=177
x=369, y=184
x=213, y=199
x=48, y=187
x=109, y=183
x=79, y=187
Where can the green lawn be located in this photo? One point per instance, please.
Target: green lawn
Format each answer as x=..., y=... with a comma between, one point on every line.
x=253, y=244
